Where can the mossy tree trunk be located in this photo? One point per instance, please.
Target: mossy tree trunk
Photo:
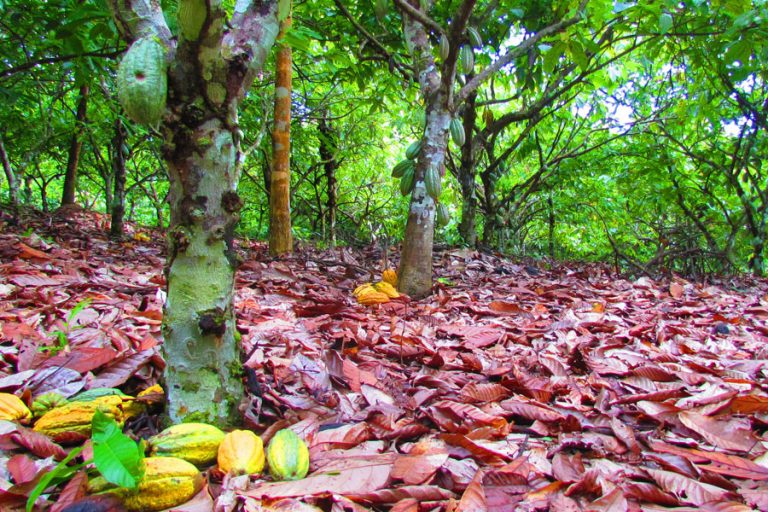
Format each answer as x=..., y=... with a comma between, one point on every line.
x=280, y=238
x=10, y=176
x=210, y=68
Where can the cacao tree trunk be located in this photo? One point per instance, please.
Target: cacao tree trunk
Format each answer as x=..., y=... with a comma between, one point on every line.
x=467, y=229
x=328, y=148
x=280, y=238
x=10, y=176
x=118, y=174
x=75, y=145
x=211, y=67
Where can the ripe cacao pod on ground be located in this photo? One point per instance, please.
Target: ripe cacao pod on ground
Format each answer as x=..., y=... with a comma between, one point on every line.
x=167, y=482
x=389, y=276
x=372, y=297
x=197, y=443
x=72, y=422
x=241, y=452
x=387, y=289
x=47, y=401
x=12, y=408
x=287, y=456
x=142, y=81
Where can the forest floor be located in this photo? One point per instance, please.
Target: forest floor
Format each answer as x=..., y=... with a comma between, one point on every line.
x=512, y=387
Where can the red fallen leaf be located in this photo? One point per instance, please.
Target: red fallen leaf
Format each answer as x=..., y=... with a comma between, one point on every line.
x=421, y=493
x=567, y=468
x=502, y=306
x=486, y=392
x=40, y=445
x=22, y=469
x=643, y=491
x=687, y=489
x=475, y=336
x=417, y=469
x=457, y=416
x=676, y=290
x=734, y=434
x=35, y=281
x=82, y=359
x=74, y=492
x=354, y=476
x=474, y=495
x=721, y=463
x=346, y=436
x=613, y=501
x=750, y=404
x=406, y=505
x=486, y=452
x=27, y=253
x=531, y=411
x=328, y=308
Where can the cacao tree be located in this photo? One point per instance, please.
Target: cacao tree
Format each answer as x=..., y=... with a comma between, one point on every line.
x=280, y=238
x=207, y=71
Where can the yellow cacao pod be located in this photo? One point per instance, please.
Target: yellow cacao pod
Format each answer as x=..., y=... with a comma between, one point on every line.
x=12, y=408
x=387, y=289
x=72, y=422
x=372, y=297
x=167, y=482
x=241, y=452
x=363, y=288
x=197, y=443
x=287, y=456
x=389, y=276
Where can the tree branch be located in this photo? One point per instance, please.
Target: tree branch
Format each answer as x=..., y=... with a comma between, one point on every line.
x=140, y=18
x=517, y=52
x=420, y=16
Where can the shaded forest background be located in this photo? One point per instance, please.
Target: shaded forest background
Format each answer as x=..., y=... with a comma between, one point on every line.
x=635, y=138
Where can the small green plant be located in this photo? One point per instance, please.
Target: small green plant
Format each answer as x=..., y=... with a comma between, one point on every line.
x=115, y=455
x=62, y=333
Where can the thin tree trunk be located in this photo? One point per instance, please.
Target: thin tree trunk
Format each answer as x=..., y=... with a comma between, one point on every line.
x=551, y=233
x=75, y=145
x=13, y=183
x=280, y=238
x=467, y=228
x=330, y=164
x=118, y=175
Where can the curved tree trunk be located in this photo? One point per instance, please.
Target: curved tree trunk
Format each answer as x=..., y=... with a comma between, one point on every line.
x=75, y=145
x=280, y=238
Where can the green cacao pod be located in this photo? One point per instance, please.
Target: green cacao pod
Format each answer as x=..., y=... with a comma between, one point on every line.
x=197, y=443
x=445, y=47
x=442, y=216
x=167, y=482
x=94, y=393
x=457, y=131
x=406, y=182
x=142, y=82
x=287, y=456
x=401, y=168
x=466, y=59
x=192, y=14
x=474, y=37
x=432, y=182
x=47, y=401
x=242, y=453
x=413, y=150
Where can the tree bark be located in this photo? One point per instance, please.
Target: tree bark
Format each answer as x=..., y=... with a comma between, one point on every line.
x=75, y=145
x=280, y=238
x=327, y=150
x=467, y=229
x=10, y=176
x=119, y=154
x=211, y=67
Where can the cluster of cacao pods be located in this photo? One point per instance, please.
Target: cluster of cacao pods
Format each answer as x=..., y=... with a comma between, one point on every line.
x=172, y=471
x=406, y=168
x=379, y=292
